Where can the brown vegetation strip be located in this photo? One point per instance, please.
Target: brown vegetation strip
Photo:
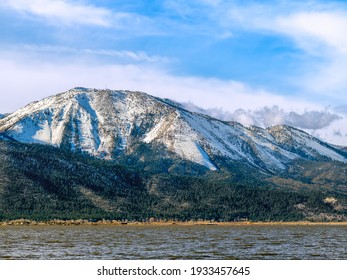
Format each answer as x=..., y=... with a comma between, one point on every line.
x=158, y=223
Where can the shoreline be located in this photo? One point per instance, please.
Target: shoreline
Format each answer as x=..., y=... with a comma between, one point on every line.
x=57, y=222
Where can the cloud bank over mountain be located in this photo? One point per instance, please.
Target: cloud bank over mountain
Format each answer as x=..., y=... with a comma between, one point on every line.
x=328, y=124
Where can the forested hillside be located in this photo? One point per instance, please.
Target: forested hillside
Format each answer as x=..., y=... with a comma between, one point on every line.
x=41, y=182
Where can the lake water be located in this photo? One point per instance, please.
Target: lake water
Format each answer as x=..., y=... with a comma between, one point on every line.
x=173, y=242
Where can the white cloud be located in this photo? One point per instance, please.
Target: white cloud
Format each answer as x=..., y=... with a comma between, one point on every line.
x=323, y=35
x=56, y=50
x=269, y=116
x=135, y=56
x=62, y=11
x=319, y=29
x=312, y=28
x=31, y=76
x=329, y=125
x=335, y=133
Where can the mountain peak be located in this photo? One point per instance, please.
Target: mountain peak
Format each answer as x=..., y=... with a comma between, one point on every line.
x=114, y=124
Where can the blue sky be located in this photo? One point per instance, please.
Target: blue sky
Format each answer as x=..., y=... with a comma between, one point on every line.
x=258, y=62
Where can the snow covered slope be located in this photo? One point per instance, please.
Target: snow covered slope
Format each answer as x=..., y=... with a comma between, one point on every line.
x=110, y=124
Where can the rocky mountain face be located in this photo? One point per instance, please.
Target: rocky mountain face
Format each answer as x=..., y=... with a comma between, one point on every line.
x=128, y=155
x=118, y=124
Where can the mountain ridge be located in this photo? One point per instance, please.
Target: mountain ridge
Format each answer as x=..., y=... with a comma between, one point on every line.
x=128, y=155
x=110, y=124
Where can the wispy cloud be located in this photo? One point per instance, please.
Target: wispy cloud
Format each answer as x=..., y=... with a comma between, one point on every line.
x=135, y=56
x=66, y=12
x=121, y=55
x=323, y=35
x=40, y=76
x=310, y=29
x=316, y=31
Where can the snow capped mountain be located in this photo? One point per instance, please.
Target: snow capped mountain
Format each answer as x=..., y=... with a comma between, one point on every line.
x=111, y=124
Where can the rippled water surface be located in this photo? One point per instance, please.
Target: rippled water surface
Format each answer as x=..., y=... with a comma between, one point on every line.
x=173, y=242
